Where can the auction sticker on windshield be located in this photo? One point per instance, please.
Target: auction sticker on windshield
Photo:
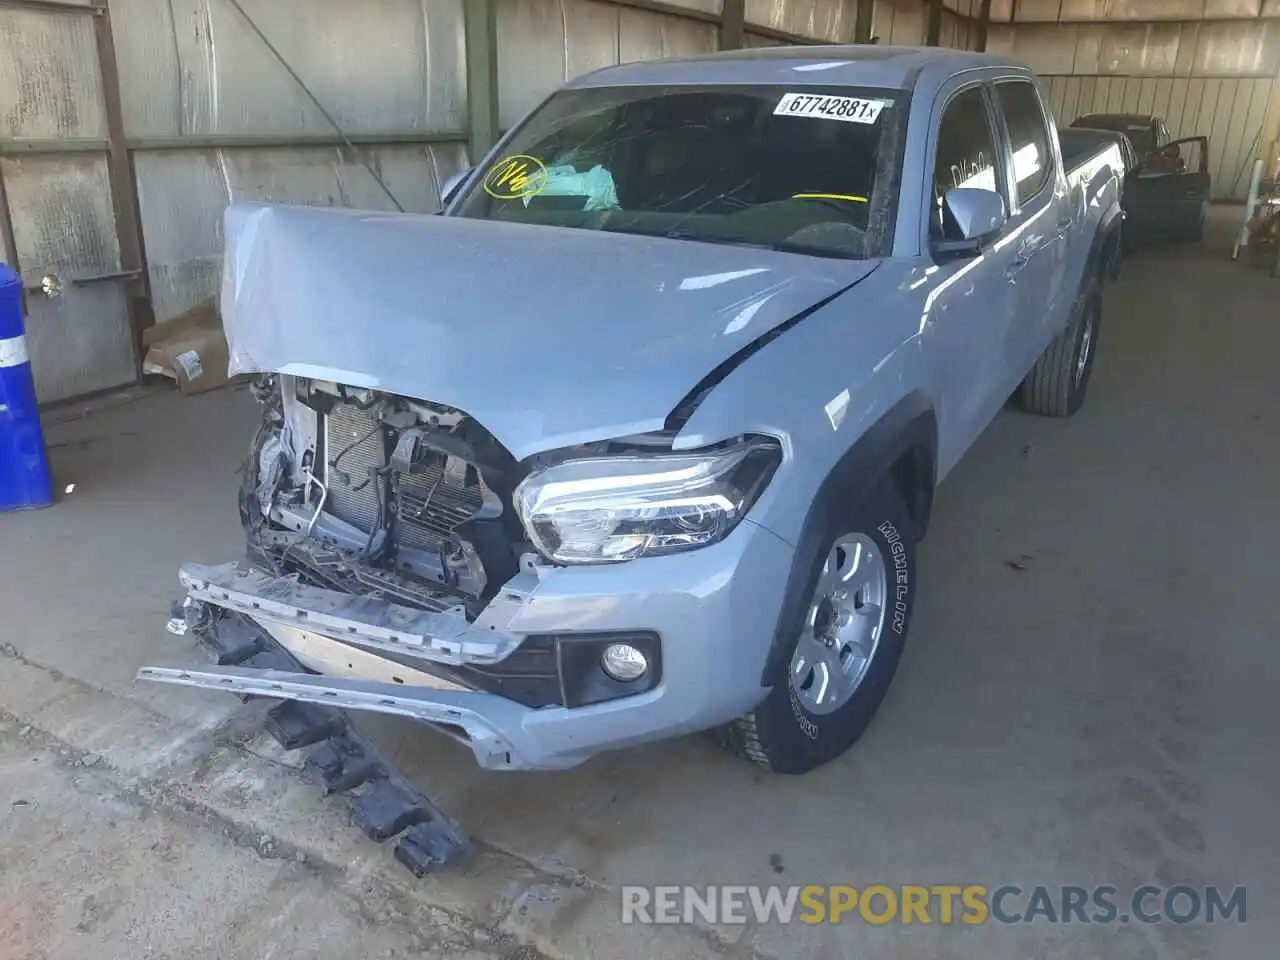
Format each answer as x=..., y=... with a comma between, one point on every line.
x=516, y=178
x=849, y=109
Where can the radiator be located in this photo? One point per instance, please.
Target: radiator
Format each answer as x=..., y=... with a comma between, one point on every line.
x=430, y=505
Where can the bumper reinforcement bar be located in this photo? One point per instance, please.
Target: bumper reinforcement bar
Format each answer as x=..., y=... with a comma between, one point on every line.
x=375, y=624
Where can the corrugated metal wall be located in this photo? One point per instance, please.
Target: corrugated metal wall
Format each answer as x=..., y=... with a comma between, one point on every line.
x=542, y=43
x=62, y=219
x=207, y=113
x=1219, y=78
x=194, y=70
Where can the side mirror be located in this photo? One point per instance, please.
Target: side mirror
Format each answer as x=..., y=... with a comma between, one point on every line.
x=971, y=216
x=451, y=185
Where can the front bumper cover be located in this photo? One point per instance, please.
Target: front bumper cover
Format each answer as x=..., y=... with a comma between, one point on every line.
x=713, y=611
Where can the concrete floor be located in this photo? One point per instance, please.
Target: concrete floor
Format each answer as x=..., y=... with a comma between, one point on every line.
x=1101, y=711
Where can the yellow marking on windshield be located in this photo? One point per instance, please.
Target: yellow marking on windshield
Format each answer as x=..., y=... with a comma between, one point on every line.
x=516, y=177
x=830, y=196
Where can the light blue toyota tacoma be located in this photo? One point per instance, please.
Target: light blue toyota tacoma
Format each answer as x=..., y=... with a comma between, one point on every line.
x=640, y=436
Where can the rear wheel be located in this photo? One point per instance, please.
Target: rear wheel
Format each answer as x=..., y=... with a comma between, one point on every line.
x=1057, y=384
x=845, y=650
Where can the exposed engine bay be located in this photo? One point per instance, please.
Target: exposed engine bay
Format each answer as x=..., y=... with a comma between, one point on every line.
x=379, y=495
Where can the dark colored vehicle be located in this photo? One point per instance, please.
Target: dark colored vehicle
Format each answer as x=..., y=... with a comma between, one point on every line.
x=1078, y=145
x=1147, y=134
x=1166, y=195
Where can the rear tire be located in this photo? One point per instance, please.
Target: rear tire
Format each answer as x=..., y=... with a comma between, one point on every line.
x=1117, y=255
x=1058, y=383
x=792, y=731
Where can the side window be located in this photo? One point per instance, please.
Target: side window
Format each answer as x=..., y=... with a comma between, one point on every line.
x=966, y=154
x=1162, y=134
x=1028, y=137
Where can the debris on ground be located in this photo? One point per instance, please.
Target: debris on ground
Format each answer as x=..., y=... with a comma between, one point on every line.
x=189, y=348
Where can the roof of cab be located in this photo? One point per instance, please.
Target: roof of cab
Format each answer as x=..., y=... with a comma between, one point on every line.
x=864, y=65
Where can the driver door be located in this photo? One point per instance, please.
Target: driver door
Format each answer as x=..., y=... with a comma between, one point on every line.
x=1168, y=198
x=968, y=303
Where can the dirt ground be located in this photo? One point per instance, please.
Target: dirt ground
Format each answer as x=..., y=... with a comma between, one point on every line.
x=1087, y=698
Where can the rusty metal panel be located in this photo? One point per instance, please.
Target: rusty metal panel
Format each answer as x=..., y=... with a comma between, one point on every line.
x=1176, y=110
x=1271, y=8
x=1046, y=48
x=1249, y=136
x=819, y=19
x=1037, y=11
x=49, y=83
x=543, y=43
x=1191, y=114
x=705, y=6
x=1069, y=109
x=1131, y=9
x=899, y=22
x=1232, y=113
x=1185, y=60
x=197, y=67
x=750, y=39
x=1146, y=96
x=1220, y=130
x=182, y=194
x=63, y=224
x=648, y=36
x=1237, y=49
x=1000, y=39
x=1230, y=8
x=1139, y=49
x=1001, y=11
x=955, y=31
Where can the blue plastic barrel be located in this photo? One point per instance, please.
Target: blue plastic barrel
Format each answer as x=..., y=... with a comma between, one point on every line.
x=24, y=466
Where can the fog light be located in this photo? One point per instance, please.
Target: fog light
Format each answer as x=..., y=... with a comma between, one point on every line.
x=623, y=662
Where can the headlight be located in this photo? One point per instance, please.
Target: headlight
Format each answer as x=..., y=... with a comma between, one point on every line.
x=607, y=509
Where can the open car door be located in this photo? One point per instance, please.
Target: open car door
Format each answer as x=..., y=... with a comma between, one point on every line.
x=1167, y=198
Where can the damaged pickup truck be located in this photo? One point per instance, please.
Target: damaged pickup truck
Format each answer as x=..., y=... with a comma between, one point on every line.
x=639, y=437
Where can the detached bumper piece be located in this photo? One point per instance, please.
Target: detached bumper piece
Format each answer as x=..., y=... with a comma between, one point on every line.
x=341, y=760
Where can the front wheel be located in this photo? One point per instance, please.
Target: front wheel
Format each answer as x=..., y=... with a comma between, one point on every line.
x=846, y=649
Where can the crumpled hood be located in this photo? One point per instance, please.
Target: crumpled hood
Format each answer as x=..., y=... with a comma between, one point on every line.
x=547, y=336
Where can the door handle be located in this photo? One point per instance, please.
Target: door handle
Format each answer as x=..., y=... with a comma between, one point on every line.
x=1027, y=248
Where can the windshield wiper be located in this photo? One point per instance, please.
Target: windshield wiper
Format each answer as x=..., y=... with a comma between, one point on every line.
x=780, y=246
x=725, y=241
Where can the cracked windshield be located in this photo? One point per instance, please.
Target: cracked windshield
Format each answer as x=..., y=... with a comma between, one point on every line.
x=805, y=172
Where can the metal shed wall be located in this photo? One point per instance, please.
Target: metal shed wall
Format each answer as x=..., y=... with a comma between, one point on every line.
x=1209, y=67
x=194, y=75
x=126, y=126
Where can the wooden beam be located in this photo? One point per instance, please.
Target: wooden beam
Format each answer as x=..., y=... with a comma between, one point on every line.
x=984, y=21
x=862, y=21
x=732, y=25
x=124, y=188
x=480, y=23
x=933, y=31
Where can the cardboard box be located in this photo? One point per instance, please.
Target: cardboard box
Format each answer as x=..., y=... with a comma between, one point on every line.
x=189, y=348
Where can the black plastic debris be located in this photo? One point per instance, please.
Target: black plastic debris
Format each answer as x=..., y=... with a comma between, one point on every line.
x=294, y=725
x=341, y=760
x=430, y=847
x=385, y=810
